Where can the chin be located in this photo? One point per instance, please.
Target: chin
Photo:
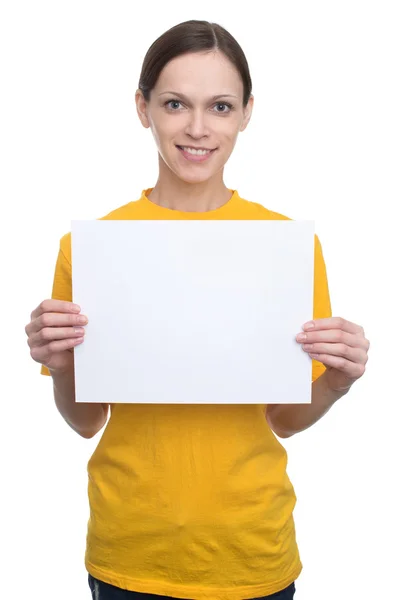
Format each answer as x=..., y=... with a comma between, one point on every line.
x=196, y=175
x=194, y=178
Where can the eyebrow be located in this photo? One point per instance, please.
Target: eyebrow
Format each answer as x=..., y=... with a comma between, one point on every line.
x=211, y=99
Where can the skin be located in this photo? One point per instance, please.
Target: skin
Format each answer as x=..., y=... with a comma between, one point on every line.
x=340, y=345
x=196, y=119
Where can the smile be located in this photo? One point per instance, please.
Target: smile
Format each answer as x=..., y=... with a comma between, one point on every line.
x=195, y=154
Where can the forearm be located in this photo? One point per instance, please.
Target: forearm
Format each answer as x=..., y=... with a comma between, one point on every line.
x=85, y=418
x=288, y=419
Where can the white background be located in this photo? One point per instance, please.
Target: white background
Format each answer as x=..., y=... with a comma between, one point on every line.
x=321, y=145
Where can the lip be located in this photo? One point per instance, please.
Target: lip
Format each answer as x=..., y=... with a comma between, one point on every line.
x=194, y=157
x=194, y=147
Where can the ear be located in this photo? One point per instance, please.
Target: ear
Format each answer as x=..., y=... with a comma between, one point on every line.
x=141, y=108
x=247, y=113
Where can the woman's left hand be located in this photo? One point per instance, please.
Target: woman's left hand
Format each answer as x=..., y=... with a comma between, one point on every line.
x=340, y=345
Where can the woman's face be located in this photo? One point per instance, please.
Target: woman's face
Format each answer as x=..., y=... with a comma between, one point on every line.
x=196, y=103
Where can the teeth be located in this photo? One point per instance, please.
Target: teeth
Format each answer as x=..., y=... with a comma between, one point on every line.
x=194, y=151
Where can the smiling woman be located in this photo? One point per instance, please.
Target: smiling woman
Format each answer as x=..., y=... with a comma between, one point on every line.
x=186, y=501
x=195, y=95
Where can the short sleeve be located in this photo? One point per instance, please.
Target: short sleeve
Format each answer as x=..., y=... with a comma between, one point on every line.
x=321, y=301
x=62, y=283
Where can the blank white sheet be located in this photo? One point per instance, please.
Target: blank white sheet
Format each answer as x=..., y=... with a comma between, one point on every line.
x=191, y=312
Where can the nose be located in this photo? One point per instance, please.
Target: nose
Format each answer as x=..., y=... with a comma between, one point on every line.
x=197, y=125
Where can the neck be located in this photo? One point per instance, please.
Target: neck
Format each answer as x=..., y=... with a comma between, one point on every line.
x=171, y=192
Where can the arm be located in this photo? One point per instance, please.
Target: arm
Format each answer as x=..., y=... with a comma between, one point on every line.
x=85, y=418
x=288, y=419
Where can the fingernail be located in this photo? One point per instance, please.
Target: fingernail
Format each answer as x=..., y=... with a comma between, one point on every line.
x=82, y=320
x=308, y=325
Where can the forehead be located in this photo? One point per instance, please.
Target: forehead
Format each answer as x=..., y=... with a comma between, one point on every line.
x=200, y=71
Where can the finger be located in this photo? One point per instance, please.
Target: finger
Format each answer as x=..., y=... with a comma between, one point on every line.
x=48, y=334
x=42, y=354
x=336, y=336
x=61, y=306
x=333, y=323
x=355, y=355
x=57, y=320
x=351, y=369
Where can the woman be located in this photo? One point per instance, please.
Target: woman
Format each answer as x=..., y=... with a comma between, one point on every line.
x=193, y=501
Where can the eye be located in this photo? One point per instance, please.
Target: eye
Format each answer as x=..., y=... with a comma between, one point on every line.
x=171, y=102
x=225, y=105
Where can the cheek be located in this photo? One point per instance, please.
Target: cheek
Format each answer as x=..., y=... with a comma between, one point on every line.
x=229, y=140
x=166, y=133
x=228, y=130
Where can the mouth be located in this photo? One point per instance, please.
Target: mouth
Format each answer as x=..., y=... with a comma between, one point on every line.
x=195, y=154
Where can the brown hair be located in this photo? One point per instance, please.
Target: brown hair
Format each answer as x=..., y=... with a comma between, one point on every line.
x=192, y=36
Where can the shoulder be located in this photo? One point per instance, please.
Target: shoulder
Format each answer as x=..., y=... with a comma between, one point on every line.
x=122, y=213
x=126, y=211
x=259, y=211
x=255, y=210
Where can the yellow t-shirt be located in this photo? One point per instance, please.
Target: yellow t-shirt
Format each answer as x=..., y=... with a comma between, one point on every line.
x=192, y=501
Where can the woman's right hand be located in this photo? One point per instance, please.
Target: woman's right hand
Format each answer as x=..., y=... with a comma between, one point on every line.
x=54, y=330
